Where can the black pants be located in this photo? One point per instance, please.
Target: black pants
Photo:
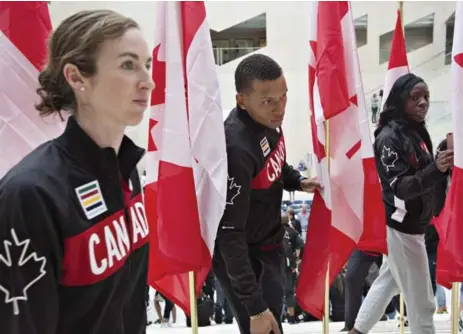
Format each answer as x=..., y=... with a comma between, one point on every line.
x=222, y=303
x=432, y=258
x=147, y=295
x=167, y=308
x=374, y=112
x=290, y=288
x=357, y=270
x=268, y=269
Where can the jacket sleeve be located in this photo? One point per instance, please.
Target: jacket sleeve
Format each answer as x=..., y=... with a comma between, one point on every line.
x=440, y=193
x=231, y=240
x=291, y=178
x=299, y=242
x=28, y=279
x=290, y=258
x=405, y=182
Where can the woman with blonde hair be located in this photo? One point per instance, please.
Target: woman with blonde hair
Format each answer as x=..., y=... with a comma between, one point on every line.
x=72, y=215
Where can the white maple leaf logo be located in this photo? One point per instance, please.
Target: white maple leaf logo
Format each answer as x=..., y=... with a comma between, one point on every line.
x=233, y=190
x=388, y=158
x=24, y=259
x=286, y=236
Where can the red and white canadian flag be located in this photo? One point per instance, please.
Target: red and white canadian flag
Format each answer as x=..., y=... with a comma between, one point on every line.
x=449, y=224
x=349, y=211
x=24, y=30
x=398, y=62
x=186, y=166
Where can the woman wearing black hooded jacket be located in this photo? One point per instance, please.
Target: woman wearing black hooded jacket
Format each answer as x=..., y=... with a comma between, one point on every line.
x=410, y=177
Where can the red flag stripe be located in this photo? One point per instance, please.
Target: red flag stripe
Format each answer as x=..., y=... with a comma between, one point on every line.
x=311, y=281
x=459, y=59
x=27, y=24
x=398, y=62
x=331, y=70
x=398, y=55
x=449, y=223
x=330, y=242
x=374, y=217
x=193, y=15
x=354, y=149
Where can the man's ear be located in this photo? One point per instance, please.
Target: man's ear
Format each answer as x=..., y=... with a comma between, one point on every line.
x=240, y=101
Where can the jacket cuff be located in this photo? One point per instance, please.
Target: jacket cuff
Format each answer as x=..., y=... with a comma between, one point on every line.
x=436, y=174
x=301, y=177
x=255, y=305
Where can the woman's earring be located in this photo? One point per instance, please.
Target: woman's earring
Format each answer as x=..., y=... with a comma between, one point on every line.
x=82, y=89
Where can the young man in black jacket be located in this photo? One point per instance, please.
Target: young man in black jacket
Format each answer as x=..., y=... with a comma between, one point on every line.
x=248, y=257
x=409, y=177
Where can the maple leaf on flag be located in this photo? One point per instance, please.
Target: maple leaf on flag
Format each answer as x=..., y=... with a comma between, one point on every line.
x=151, y=144
x=158, y=95
x=388, y=158
x=26, y=271
x=233, y=190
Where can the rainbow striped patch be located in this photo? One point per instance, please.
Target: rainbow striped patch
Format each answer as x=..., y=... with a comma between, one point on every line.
x=265, y=146
x=91, y=199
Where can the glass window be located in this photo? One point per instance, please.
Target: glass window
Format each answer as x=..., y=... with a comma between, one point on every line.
x=361, y=30
x=449, y=29
x=417, y=35
x=239, y=40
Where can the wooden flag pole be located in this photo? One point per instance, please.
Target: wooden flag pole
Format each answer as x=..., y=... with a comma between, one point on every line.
x=326, y=317
x=193, y=303
x=402, y=316
x=402, y=303
x=401, y=8
x=455, y=307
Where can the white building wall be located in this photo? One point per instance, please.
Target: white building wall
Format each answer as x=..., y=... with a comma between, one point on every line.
x=427, y=62
x=287, y=43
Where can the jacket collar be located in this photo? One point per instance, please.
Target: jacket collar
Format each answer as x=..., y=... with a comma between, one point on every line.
x=103, y=162
x=401, y=123
x=245, y=118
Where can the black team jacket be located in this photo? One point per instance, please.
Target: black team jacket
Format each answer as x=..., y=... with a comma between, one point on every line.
x=73, y=256
x=257, y=175
x=409, y=175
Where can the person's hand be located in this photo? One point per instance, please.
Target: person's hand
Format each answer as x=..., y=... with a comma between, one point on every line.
x=309, y=185
x=444, y=160
x=264, y=324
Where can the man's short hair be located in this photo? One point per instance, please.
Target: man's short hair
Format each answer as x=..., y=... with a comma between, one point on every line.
x=255, y=67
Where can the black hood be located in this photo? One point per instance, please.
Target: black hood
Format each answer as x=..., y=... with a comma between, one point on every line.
x=394, y=108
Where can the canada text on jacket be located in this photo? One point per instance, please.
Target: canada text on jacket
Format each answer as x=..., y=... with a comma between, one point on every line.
x=101, y=250
x=273, y=167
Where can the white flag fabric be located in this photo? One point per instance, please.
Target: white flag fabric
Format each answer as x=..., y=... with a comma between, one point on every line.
x=186, y=164
x=24, y=28
x=349, y=212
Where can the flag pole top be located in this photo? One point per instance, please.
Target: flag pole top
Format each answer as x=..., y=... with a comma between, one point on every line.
x=400, y=6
